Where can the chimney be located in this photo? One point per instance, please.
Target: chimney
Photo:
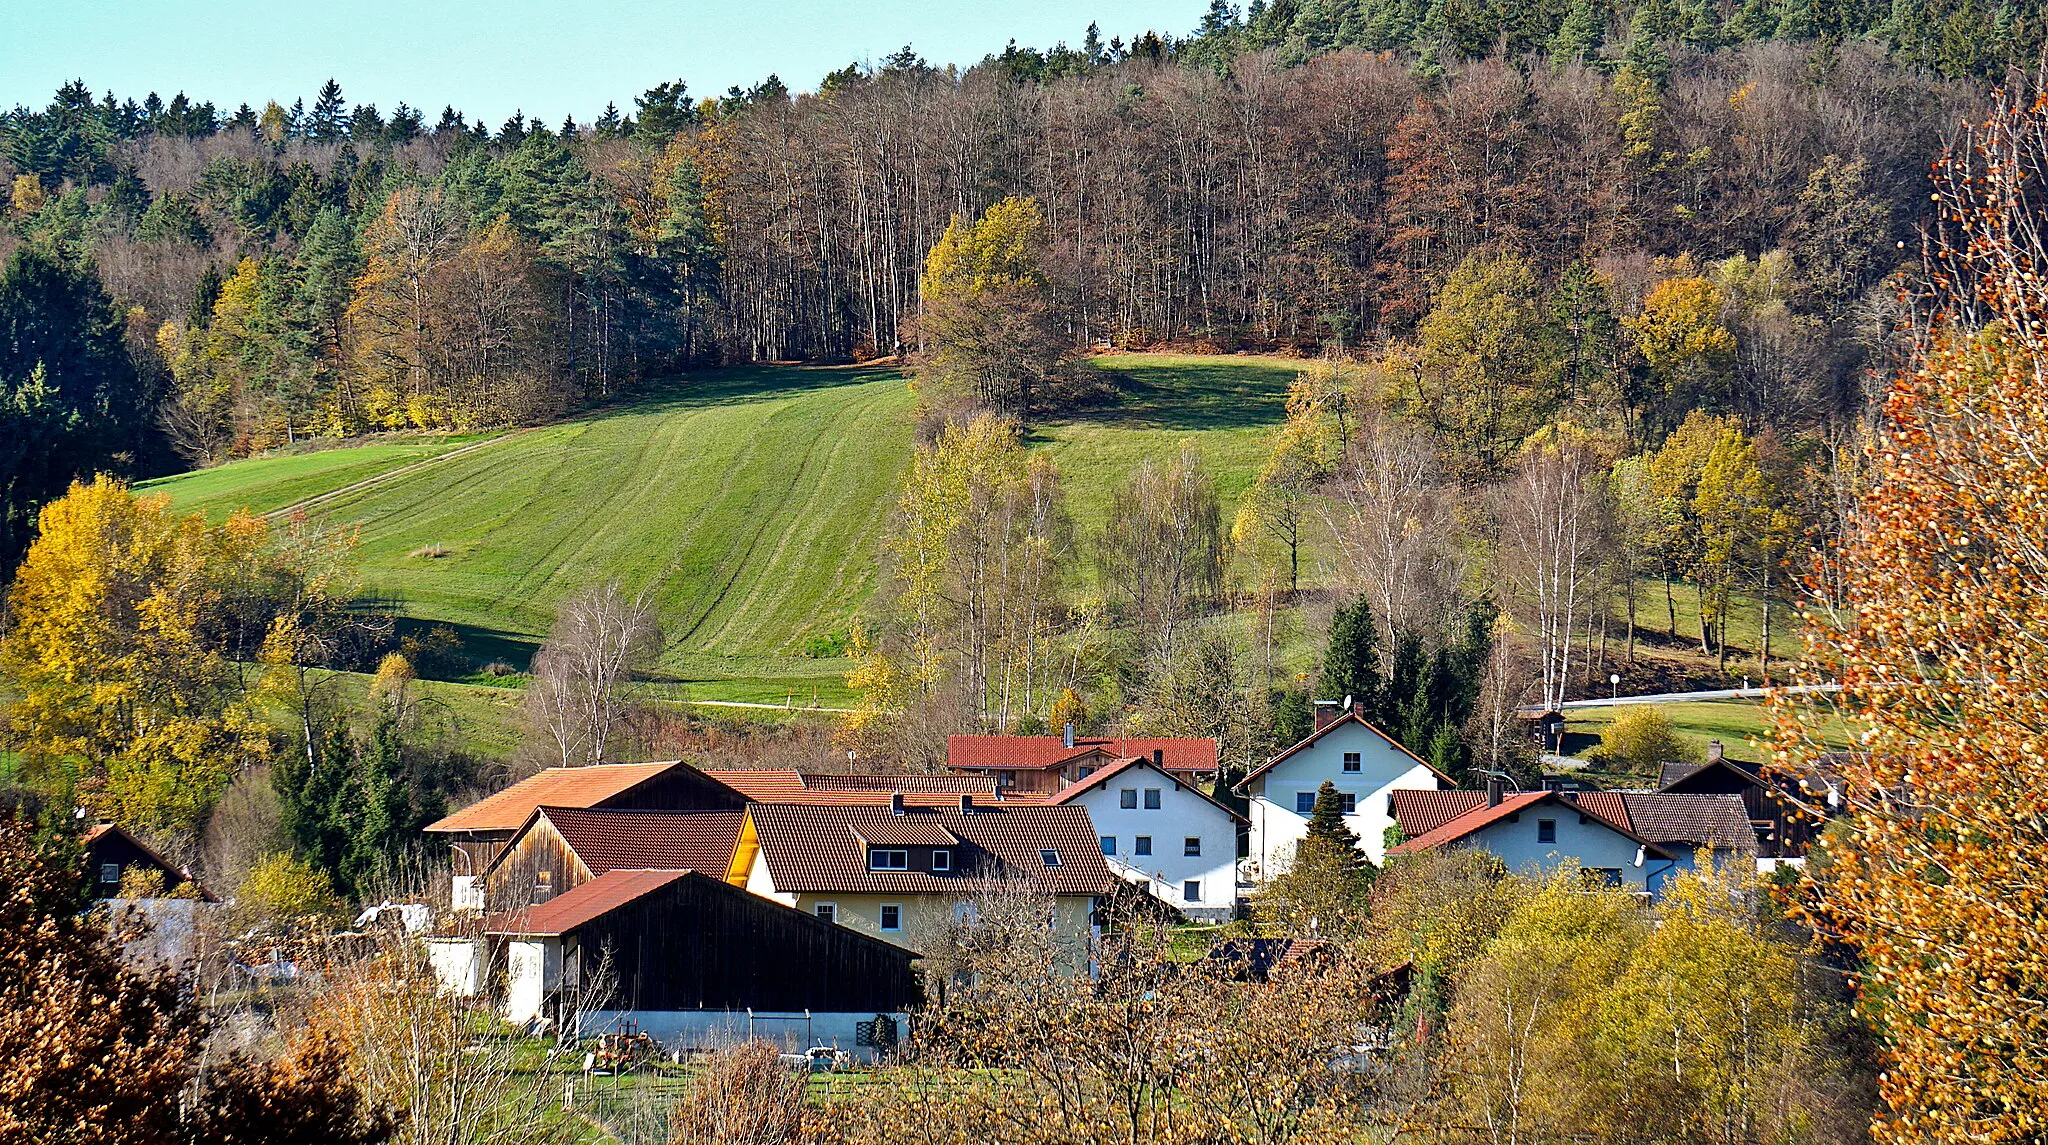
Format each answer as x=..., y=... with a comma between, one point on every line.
x=1067, y=736
x=1494, y=794
x=1159, y=758
x=895, y=803
x=966, y=804
x=1713, y=751
x=1327, y=713
x=1358, y=709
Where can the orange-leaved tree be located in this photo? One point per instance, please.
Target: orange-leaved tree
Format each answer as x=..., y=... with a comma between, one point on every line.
x=1938, y=634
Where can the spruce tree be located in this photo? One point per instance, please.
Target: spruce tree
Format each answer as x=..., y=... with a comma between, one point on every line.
x=1326, y=822
x=325, y=125
x=1351, y=664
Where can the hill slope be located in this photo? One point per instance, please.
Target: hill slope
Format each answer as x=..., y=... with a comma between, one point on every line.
x=749, y=503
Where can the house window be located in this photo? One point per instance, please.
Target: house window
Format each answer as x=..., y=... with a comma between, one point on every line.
x=1191, y=891
x=1006, y=779
x=892, y=916
x=889, y=860
x=1087, y=771
x=1127, y=799
x=1191, y=847
x=1143, y=846
x=1350, y=802
x=1546, y=830
x=1304, y=802
x=1352, y=761
x=1049, y=857
x=829, y=911
x=1600, y=876
x=110, y=872
x=942, y=860
x=1109, y=844
x=1151, y=799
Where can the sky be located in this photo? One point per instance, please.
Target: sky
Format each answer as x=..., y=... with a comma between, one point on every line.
x=549, y=58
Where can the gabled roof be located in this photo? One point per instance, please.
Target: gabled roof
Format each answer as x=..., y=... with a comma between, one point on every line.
x=1483, y=816
x=1096, y=779
x=608, y=840
x=571, y=910
x=99, y=831
x=788, y=785
x=810, y=849
x=1031, y=753
x=592, y=786
x=1718, y=821
x=1418, y=812
x=1333, y=725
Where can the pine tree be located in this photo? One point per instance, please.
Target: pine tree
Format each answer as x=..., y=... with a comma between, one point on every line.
x=608, y=124
x=1351, y=665
x=325, y=125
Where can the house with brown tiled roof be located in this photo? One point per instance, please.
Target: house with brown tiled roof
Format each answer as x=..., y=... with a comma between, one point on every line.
x=478, y=832
x=1681, y=823
x=789, y=785
x=1362, y=762
x=1045, y=764
x=900, y=872
x=560, y=848
x=1541, y=830
x=1785, y=813
x=1161, y=831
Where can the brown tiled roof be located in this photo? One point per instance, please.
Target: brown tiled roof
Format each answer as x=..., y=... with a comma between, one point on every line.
x=1028, y=753
x=1484, y=816
x=1333, y=725
x=1097, y=779
x=1687, y=821
x=509, y=809
x=660, y=840
x=816, y=849
x=904, y=831
x=573, y=909
x=791, y=786
x=1419, y=812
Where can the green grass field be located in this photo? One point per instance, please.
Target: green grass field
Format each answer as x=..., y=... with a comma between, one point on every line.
x=748, y=503
x=1740, y=725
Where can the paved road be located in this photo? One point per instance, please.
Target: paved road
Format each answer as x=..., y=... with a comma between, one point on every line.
x=1692, y=697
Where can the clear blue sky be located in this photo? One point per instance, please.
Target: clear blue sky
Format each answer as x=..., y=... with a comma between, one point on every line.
x=487, y=57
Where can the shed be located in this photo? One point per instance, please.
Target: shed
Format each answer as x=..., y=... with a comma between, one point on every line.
x=111, y=852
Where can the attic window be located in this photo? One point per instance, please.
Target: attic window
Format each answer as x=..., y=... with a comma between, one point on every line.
x=1049, y=857
x=888, y=860
x=1352, y=761
x=110, y=872
x=1546, y=830
x=942, y=859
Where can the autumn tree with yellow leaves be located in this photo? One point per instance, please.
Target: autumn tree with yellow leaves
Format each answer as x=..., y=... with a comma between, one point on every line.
x=986, y=331
x=1933, y=617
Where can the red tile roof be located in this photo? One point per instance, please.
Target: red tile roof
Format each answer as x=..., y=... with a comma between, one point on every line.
x=792, y=786
x=1326, y=729
x=1096, y=779
x=1483, y=816
x=570, y=911
x=509, y=809
x=811, y=849
x=1418, y=813
x=1031, y=753
x=609, y=840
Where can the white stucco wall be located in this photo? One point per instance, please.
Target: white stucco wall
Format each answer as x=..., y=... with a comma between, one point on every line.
x=760, y=882
x=1275, y=825
x=533, y=968
x=1579, y=837
x=1181, y=814
x=458, y=964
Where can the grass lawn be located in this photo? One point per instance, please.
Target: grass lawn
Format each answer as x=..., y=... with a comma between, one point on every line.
x=748, y=503
x=262, y=484
x=1734, y=722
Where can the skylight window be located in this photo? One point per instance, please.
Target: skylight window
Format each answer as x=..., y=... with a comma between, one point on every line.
x=1050, y=858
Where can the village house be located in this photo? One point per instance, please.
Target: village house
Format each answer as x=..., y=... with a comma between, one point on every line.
x=112, y=854
x=1362, y=762
x=1541, y=830
x=901, y=872
x=1163, y=833
x=690, y=960
x=789, y=785
x=560, y=848
x=1048, y=764
x=1682, y=824
x=478, y=832
x=1786, y=814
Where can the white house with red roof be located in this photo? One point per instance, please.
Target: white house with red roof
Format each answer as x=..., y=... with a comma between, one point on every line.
x=1046, y=764
x=1364, y=764
x=1159, y=829
x=1540, y=830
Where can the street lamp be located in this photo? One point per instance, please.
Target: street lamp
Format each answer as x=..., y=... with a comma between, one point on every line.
x=1614, y=681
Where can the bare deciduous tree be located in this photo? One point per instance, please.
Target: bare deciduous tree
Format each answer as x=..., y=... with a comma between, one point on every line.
x=579, y=696
x=1389, y=507
x=1552, y=517
x=1162, y=553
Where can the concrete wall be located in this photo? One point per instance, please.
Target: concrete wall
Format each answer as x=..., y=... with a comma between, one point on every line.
x=687, y=1030
x=459, y=964
x=1275, y=825
x=533, y=970
x=1181, y=814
